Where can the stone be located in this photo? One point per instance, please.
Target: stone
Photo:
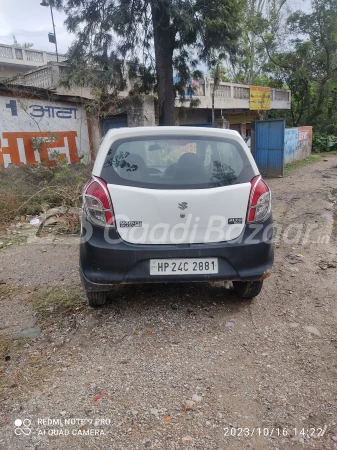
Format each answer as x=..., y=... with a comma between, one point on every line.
x=154, y=411
x=189, y=405
x=58, y=210
x=196, y=398
x=187, y=439
x=312, y=330
x=30, y=332
x=176, y=321
x=293, y=324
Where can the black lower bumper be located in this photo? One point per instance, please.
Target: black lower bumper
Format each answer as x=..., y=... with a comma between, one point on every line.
x=106, y=262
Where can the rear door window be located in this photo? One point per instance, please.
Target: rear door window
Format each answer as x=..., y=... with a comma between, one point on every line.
x=177, y=163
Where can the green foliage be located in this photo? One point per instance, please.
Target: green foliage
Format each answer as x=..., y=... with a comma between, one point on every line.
x=322, y=142
x=146, y=41
x=263, y=23
x=223, y=73
x=309, y=67
x=297, y=51
x=38, y=142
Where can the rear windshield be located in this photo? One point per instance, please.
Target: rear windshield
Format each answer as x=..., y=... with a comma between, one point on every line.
x=177, y=163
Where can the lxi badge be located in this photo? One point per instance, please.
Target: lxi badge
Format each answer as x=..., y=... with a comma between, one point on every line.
x=234, y=221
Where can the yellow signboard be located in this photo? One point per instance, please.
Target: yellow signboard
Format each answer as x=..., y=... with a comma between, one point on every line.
x=259, y=97
x=242, y=117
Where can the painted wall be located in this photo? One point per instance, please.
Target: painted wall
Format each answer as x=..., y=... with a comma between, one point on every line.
x=290, y=144
x=38, y=131
x=297, y=143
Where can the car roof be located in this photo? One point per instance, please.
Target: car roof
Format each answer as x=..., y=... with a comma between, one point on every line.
x=117, y=133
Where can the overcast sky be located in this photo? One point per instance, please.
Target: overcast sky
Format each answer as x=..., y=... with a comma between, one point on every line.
x=31, y=22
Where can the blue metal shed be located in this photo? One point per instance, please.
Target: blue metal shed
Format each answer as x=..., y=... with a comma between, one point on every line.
x=268, y=149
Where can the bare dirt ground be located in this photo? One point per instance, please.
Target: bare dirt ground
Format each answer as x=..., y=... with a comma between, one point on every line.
x=183, y=366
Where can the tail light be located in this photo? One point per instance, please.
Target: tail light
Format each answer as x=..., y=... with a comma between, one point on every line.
x=97, y=203
x=259, y=201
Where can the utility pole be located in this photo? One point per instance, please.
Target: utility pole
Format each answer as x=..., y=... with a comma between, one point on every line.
x=215, y=86
x=53, y=40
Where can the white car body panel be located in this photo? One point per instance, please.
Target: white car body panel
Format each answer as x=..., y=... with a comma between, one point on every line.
x=206, y=214
x=156, y=211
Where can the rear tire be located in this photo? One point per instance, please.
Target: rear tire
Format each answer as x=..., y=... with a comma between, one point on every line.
x=96, y=299
x=247, y=289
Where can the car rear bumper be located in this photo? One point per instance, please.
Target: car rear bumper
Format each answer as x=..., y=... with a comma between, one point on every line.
x=104, y=264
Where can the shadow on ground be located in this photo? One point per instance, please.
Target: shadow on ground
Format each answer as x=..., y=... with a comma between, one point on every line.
x=163, y=296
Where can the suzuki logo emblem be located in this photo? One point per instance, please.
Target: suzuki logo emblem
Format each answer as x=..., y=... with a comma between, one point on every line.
x=182, y=205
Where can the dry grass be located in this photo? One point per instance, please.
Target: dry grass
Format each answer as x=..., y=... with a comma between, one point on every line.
x=22, y=367
x=10, y=346
x=301, y=163
x=5, y=345
x=29, y=190
x=27, y=367
x=36, y=371
x=20, y=371
x=55, y=303
x=6, y=289
x=62, y=224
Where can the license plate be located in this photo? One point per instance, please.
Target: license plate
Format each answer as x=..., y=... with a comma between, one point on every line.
x=183, y=266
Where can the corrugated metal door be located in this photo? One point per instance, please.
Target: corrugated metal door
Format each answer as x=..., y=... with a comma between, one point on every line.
x=269, y=147
x=114, y=122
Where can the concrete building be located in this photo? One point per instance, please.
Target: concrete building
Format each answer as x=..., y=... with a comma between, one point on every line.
x=232, y=101
x=15, y=60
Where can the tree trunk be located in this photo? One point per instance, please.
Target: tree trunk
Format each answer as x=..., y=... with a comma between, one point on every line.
x=163, y=46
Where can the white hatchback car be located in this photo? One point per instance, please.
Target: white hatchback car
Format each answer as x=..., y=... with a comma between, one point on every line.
x=175, y=204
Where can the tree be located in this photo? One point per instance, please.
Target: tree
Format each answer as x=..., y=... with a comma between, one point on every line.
x=263, y=19
x=155, y=37
x=24, y=45
x=309, y=66
x=222, y=73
